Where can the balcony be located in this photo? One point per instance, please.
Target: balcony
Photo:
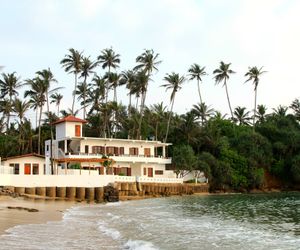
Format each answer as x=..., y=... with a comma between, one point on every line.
x=122, y=158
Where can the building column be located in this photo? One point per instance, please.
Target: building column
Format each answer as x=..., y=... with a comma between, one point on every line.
x=164, y=151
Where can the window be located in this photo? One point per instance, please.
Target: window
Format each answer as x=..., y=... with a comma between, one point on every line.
x=97, y=150
x=77, y=130
x=16, y=167
x=159, y=172
x=35, y=168
x=47, y=148
x=116, y=151
x=110, y=150
x=27, y=168
x=121, y=150
x=150, y=172
x=145, y=171
x=133, y=151
x=86, y=149
x=147, y=152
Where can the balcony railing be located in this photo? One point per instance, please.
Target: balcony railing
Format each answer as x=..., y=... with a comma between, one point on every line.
x=115, y=155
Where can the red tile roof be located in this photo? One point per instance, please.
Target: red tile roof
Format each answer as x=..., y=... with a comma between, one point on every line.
x=70, y=118
x=22, y=156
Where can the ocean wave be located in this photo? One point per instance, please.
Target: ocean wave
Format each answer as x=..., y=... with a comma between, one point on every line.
x=111, y=232
x=139, y=245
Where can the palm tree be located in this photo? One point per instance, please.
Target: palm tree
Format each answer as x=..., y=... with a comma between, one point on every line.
x=222, y=74
x=47, y=78
x=280, y=110
x=109, y=59
x=69, y=111
x=174, y=83
x=295, y=106
x=261, y=113
x=147, y=62
x=113, y=80
x=87, y=69
x=196, y=72
x=140, y=88
x=202, y=111
x=20, y=108
x=73, y=64
x=56, y=98
x=158, y=112
x=241, y=116
x=37, y=92
x=127, y=78
x=82, y=92
x=253, y=75
x=8, y=87
x=6, y=108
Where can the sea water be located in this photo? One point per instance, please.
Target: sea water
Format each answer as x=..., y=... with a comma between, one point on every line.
x=263, y=221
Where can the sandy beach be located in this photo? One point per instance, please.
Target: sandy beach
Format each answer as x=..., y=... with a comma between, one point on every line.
x=14, y=211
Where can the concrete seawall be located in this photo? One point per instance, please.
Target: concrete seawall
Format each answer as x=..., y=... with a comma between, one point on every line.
x=113, y=192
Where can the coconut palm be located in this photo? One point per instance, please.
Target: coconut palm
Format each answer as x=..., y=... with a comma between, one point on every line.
x=20, y=108
x=222, y=74
x=9, y=85
x=241, y=116
x=83, y=94
x=6, y=108
x=196, y=72
x=56, y=98
x=261, y=113
x=87, y=69
x=253, y=75
x=280, y=110
x=174, y=82
x=147, y=62
x=140, y=89
x=47, y=77
x=127, y=78
x=37, y=92
x=73, y=64
x=109, y=59
x=202, y=111
x=295, y=106
x=158, y=112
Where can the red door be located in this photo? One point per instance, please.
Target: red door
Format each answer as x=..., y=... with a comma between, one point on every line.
x=77, y=130
x=150, y=172
x=128, y=171
x=27, y=168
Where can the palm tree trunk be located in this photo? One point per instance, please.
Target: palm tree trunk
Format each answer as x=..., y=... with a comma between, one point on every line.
x=141, y=115
x=228, y=98
x=57, y=110
x=255, y=98
x=74, y=93
x=199, y=91
x=129, y=106
x=169, y=120
x=39, y=137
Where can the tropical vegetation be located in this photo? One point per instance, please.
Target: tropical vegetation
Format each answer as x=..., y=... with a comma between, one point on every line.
x=236, y=152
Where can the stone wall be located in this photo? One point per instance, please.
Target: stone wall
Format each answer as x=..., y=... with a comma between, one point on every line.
x=110, y=193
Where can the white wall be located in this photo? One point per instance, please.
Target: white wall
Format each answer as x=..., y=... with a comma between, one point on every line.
x=28, y=159
x=73, y=180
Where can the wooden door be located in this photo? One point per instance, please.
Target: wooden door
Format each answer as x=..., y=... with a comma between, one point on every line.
x=27, y=168
x=128, y=171
x=150, y=172
x=77, y=130
x=147, y=152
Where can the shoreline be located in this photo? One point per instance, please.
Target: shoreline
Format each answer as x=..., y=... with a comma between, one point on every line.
x=22, y=210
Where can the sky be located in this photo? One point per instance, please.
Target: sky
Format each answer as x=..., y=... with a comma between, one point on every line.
x=37, y=34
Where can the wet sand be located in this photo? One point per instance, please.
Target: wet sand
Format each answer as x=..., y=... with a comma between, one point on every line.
x=48, y=210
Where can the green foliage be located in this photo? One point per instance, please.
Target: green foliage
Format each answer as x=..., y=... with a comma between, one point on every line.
x=74, y=166
x=295, y=169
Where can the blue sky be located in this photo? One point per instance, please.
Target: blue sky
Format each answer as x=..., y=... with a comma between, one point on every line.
x=37, y=34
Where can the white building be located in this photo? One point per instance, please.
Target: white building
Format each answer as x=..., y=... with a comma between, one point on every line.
x=140, y=158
